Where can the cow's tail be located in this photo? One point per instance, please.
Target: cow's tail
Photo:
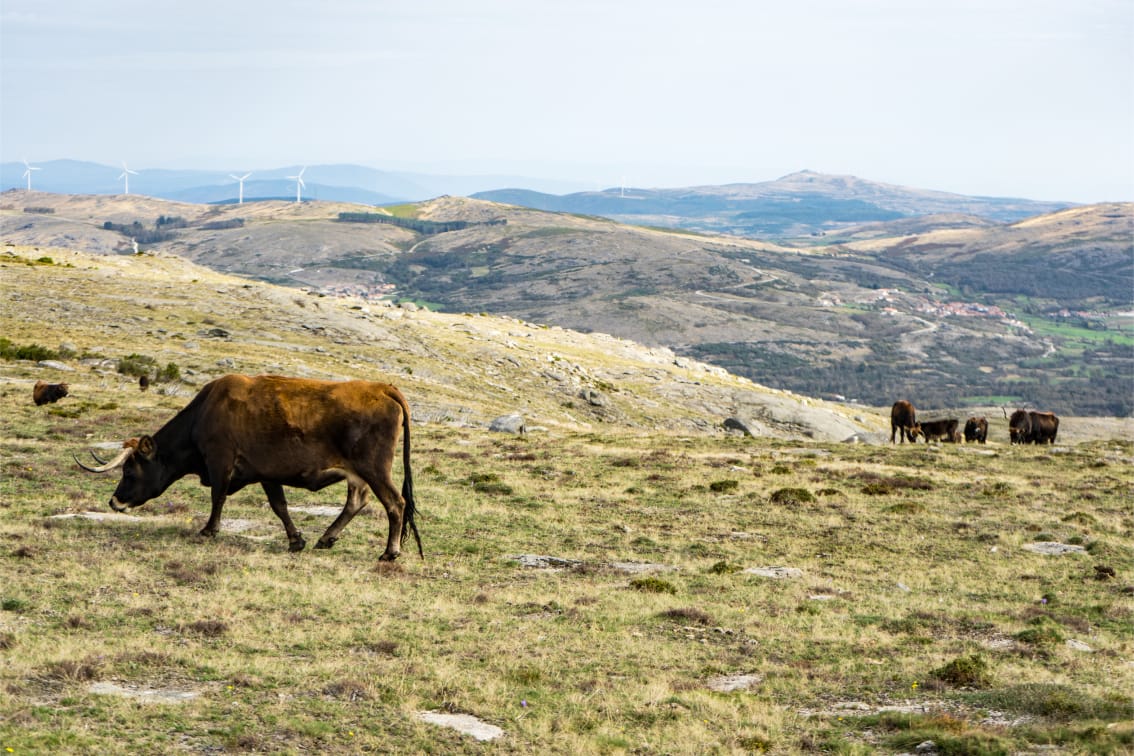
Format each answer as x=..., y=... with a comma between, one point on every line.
x=408, y=523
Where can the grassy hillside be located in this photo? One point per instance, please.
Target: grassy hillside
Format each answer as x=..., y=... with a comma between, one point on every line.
x=623, y=578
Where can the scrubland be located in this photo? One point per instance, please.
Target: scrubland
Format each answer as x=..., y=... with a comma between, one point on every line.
x=698, y=592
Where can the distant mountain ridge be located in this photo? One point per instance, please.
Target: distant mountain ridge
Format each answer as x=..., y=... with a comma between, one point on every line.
x=799, y=204
x=796, y=206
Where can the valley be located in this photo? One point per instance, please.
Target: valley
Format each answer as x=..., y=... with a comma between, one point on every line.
x=1035, y=312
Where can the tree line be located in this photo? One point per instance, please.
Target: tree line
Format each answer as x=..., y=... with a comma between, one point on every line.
x=425, y=227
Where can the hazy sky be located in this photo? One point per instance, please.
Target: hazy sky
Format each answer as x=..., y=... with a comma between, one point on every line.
x=1025, y=98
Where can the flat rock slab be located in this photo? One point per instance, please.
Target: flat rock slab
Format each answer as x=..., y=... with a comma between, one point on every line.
x=639, y=568
x=146, y=695
x=731, y=683
x=544, y=562
x=1052, y=548
x=776, y=573
x=466, y=724
x=318, y=511
x=98, y=517
x=237, y=526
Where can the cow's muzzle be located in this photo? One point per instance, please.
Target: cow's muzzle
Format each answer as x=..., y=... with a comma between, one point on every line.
x=118, y=506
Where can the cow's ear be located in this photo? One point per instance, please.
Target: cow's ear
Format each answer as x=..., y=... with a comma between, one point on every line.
x=146, y=447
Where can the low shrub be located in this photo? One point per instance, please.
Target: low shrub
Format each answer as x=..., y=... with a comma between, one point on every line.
x=965, y=672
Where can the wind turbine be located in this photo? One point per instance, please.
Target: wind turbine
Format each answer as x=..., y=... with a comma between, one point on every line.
x=27, y=172
x=125, y=175
x=241, y=180
x=299, y=183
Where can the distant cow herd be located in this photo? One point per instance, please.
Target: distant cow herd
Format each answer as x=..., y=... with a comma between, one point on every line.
x=1024, y=427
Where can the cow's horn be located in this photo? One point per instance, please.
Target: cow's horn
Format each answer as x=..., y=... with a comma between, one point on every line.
x=112, y=464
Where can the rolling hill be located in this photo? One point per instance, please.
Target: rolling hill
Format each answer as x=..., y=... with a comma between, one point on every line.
x=90, y=312
x=880, y=311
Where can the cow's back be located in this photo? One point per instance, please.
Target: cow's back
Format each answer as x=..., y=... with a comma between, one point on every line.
x=270, y=420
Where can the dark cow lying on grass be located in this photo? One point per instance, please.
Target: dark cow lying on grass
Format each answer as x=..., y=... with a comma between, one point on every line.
x=1031, y=427
x=903, y=422
x=279, y=432
x=976, y=430
x=47, y=393
x=941, y=430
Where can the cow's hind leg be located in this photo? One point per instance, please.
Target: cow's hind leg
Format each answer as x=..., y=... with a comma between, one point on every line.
x=356, y=500
x=278, y=502
x=395, y=505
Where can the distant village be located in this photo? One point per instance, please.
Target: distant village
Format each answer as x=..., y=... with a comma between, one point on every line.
x=365, y=292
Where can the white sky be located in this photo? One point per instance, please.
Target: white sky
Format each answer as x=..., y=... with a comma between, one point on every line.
x=1024, y=98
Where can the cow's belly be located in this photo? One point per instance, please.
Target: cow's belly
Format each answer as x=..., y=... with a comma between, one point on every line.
x=311, y=479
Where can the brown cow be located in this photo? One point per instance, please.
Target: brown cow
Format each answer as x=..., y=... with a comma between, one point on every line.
x=903, y=419
x=1032, y=427
x=1045, y=426
x=976, y=430
x=47, y=393
x=279, y=432
x=945, y=430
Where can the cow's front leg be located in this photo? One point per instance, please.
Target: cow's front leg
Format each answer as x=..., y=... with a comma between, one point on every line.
x=213, y=525
x=278, y=502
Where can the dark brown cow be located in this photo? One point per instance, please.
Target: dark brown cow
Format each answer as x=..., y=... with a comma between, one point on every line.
x=278, y=432
x=903, y=422
x=944, y=430
x=47, y=393
x=1032, y=427
x=976, y=430
x=1045, y=426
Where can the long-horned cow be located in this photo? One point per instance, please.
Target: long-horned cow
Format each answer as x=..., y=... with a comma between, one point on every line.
x=903, y=422
x=278, y=432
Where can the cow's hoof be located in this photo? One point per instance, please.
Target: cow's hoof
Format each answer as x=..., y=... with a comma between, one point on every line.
x=388, y=557
x=325, y=543
x=296, y=544
x=208, y=533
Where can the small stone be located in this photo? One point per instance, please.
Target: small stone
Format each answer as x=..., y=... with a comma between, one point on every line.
x=466, y=724
x=730, y=683
x=513, y=423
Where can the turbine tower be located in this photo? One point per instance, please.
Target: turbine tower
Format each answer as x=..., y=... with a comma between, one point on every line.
x=28, y=171
x=299, y=183
x=241, y=180
x=125, y=176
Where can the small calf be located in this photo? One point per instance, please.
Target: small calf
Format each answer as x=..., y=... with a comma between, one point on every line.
x=46, y=393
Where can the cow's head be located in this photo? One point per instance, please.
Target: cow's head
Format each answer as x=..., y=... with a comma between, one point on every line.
x=915, y=431
x=1019, y=427
x=144, y=475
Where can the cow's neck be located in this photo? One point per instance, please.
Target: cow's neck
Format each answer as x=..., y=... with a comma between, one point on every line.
x=175, y=445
